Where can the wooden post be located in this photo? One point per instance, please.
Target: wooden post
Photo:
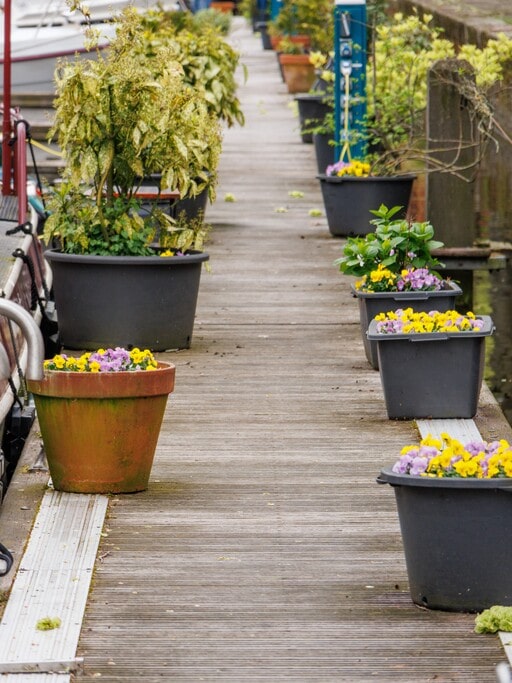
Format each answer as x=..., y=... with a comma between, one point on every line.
x=451, y=140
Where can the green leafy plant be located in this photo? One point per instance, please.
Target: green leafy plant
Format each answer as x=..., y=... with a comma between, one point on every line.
x=181, y=234
x=119, y=119
x=396, y=245
x=208, y=61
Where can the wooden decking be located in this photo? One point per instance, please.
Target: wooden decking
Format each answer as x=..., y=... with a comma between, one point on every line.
x=264, y=550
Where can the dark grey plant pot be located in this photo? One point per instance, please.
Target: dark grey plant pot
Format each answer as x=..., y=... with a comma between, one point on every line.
x=262, y=27
x=193, y=207
x=373, y=303
x=348, y=200
x=143, y=301
x=436, y=375
x=312, y=110
x=452, y=531
x=325, y=153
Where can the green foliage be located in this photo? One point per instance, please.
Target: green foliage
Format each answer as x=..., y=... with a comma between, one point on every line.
x=182, y=235
x=208, y=61
x=118, y=119
x=496, y=618
x=209, y=19
x=402, y=51
x=405, y=49
x=76, y=225
x=397, y=244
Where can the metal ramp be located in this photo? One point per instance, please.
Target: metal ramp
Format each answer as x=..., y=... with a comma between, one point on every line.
x=53, y=581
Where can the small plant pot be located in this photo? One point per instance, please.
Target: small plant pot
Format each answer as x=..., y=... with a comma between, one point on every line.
x=437, y=375
x=298, y=72
x=373, y=303
x=225, y=6
x=100, y=430
x=192, y=207
x=348, y=200
x=456, y=553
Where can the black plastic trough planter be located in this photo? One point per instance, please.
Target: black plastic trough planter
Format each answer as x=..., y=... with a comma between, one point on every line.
x=454, y=536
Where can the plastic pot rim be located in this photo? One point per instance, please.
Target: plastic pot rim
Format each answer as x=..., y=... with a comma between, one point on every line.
x=387, y=476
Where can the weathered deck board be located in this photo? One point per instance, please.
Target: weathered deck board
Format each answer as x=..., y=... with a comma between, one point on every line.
x=264, y=550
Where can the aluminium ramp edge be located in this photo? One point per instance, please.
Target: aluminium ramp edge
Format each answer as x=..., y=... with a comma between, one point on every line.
x=53, y=580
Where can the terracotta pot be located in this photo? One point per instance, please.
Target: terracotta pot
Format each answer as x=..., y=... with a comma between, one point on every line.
x=100, y=430
x=298, y=72
x=223, y=6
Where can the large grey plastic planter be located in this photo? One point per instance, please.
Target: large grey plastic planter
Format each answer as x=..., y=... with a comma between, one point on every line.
x=348, y=200
x=437, y=375
x=312, y=110
x=128, y=301
x=325, y=153
x=454, y=535
x=373, y=303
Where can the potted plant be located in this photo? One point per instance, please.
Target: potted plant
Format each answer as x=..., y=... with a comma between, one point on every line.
x=453, y=502
x=311, y=24
x=385, y=261
x=120, y=119
x=209, y=64
x=100, y=417
x=349, y=192
x=297, y=70
x=301, y=27
x=416, y=352
x=401, y=55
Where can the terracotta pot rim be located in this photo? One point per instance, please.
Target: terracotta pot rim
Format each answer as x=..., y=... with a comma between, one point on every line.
x=105, y=385
x=286, y=58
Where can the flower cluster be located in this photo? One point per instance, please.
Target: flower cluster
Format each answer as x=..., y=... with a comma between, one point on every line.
x=448, y=457
x=379, y=280
x=408, y=321
x=418, y=279
x=382, y=279
x=104, y=360
x=359, y=169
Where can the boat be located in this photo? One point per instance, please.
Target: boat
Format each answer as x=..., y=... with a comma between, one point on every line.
x=44, y=31
x=25, y=281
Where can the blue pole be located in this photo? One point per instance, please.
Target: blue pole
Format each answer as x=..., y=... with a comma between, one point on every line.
x=350, y=63
x=275, y=8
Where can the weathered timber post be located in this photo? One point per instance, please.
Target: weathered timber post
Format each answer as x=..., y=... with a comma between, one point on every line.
x=452, y=143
